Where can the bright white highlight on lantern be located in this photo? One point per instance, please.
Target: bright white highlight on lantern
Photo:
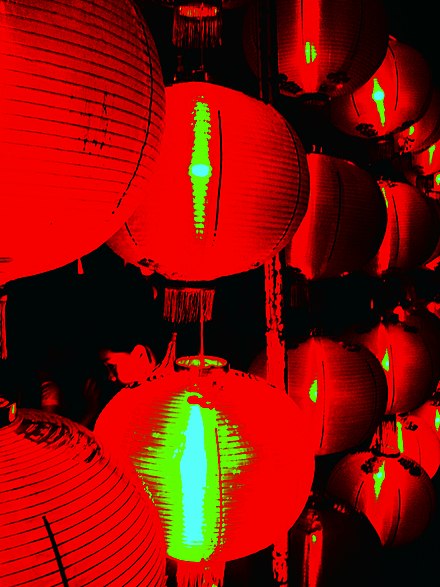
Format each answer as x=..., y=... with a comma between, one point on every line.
x=194, y=478
x=200, y=170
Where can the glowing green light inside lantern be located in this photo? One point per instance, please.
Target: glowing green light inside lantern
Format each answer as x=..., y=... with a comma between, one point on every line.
x=399, y=436
x=411, y=130
x=386, y=361
x=437, y=420
x=384, y=193
x=313, y=391
x=378, y=96
x=190, y=445
x=200, y=169
x=437, y=179
x=379, y=478
x=431, y=152
x=314, y=539
x=310, y=52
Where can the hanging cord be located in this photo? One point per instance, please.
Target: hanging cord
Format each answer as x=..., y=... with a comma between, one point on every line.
x=3, y=345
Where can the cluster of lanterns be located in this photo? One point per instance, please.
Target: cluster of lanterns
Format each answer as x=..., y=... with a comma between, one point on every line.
x=202, y=463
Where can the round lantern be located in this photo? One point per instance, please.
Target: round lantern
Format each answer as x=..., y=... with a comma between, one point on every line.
x=82, y=103
x=342, y=390
x=406, y=360
x=429, y=411
x=210, y=445
x=394, y=492
x=345, y=220
x=412, y=229
x=423, y=133
x=418, y=441
x=396, y=96
x=67, y=515
x=330, y=542
x=426, y=161
x=327, y=48
x=230, y=187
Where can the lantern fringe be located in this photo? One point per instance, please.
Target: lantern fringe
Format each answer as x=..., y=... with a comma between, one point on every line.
x=200, y=574
x=385, y=441
x=185, y=305
x=194, y=31
x=279, y=561
x=3, y=345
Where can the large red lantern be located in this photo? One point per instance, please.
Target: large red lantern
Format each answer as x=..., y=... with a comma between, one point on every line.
x=406, y=360
x=210, y=445
x=230, y=187
x=412, y=229
x=393, y=491
x=341, y=389
x=345, y=220
x=396, y=96
x=326, y=48
x=82, y=104
x=67, y=515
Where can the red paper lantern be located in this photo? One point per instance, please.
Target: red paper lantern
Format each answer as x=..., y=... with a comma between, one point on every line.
x=67, y=515
x=234, y=194
x=393, y=491
x=423, y=133
x=330, y=542
x=396, y=96
x=412, y=229
x=429, y=411
x=345, y=220
x=210, y=445
x=342, y=390
x=426, y=161
x=82, y=103
x=406, y=360
x=418, y=441
x=326, y=48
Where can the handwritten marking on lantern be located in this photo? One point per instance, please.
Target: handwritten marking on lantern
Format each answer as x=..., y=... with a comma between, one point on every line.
x=378, y=96
x=313, y=391
x=386, y=361
x=379, y=478
x=431, y=152
x=200, y=169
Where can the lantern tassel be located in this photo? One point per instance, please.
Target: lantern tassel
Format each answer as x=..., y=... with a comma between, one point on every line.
x=197, y=25
x=3, y=346
x=184, y=305
x=200, y=574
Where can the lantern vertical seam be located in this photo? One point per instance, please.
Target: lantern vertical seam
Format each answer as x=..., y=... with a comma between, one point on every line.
x=56, y=552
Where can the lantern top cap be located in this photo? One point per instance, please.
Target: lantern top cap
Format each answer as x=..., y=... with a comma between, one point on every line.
x=201, y=363
x=8, y=412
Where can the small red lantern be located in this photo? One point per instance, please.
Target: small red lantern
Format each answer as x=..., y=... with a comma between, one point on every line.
x=209, y=445
x=396, y=96
x=393, y=491
x=412, y=229
x=423, y=133
x=345, y=220
x=326, y=48
x=234, y=195
x=429, y=411
x=342, y=390
x=67, y=515
x=406, y=360
x=418, y=441
x=426, y=161
x=330, y=542
x=82, y=105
